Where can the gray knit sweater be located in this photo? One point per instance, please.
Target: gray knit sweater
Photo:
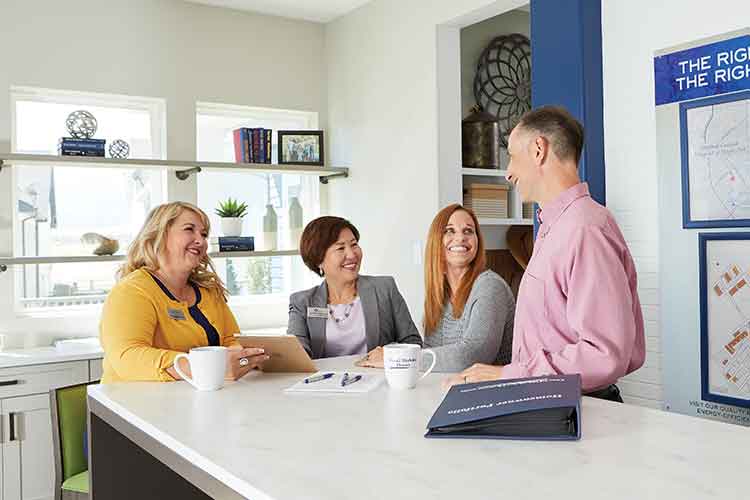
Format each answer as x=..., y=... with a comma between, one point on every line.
x=483, y=333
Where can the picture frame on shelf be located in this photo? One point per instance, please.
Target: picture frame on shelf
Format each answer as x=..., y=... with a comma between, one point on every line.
x=724, y=327
x=301, y=147
x=713, y=155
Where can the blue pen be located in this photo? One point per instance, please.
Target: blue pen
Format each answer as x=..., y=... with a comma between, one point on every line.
x=317, y=378
x=351, y=380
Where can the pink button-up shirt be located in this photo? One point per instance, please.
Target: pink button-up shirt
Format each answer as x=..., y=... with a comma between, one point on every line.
x=578, y=309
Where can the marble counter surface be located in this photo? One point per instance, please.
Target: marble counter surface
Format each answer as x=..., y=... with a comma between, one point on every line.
x=43, y=355
x=266, y=444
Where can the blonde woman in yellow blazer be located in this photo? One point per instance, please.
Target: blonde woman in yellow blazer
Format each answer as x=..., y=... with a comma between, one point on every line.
x=168, y=300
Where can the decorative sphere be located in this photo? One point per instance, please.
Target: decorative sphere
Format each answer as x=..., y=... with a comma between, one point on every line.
x=81, y=124
x=119, y=149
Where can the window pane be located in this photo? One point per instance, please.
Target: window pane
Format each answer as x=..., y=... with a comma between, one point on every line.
x=39, y=125
x=262, y=193
x=56, y=206
x=264, y=275
x=41, y=287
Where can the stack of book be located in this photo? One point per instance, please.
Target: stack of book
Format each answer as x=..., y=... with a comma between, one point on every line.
x=70, y=146
x=252, y=145
x=487, y=200
x=234, y=243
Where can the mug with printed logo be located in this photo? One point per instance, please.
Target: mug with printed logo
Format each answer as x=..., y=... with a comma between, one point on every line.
x=401, y=363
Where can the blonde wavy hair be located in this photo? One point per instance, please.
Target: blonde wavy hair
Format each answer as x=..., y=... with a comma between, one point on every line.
x=437, y=290
x=151, y=241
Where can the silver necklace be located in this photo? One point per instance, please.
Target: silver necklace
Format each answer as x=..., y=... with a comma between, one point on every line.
x=347, y=313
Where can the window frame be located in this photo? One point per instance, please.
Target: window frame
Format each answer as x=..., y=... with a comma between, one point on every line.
x=234, y=110
x=257, y=113
x=157, y=110
x=45, y=320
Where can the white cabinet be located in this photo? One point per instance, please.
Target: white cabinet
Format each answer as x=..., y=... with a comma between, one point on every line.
x=39, y=379
x=27, y=471
x=28, y=466
x=95, y=369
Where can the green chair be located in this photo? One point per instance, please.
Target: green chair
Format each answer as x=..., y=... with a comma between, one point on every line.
x=68, y=407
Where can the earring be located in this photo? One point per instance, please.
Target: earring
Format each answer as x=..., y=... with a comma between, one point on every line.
x=322, y=273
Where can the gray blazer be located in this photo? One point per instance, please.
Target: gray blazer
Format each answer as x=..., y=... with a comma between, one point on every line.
x=387, y=318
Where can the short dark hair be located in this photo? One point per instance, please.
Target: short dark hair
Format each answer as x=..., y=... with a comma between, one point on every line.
x=318, y=236
x=557, y=125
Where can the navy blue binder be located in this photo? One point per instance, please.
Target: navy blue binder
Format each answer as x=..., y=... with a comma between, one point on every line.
x=539, y=408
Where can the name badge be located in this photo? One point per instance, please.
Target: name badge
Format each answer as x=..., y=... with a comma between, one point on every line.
x=176, y=313
x=317, y=312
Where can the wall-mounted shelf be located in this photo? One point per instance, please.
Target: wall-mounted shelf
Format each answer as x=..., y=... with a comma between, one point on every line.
x=182, y=169
x=515, y=204
x=506, y=222
x=483, y=172
x=14, y=261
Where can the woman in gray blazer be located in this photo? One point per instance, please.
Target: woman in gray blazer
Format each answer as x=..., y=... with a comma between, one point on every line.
x=347, y=313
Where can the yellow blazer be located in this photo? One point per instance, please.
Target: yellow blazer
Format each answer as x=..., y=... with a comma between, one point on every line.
x=143, y=327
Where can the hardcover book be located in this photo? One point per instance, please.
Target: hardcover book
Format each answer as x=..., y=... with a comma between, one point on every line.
x=236, y=248
x=68, y=146
x=72, y=141
x=239, y=146
x=539, y=408
x=268, y=132
x=235, y=243
x=248, y=145
x=258, y=145
x=248, y=240
x=242, y=145
x=80, y=152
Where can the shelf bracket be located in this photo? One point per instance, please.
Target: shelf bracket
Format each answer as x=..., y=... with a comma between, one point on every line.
x=184, y=174
x=325, y=178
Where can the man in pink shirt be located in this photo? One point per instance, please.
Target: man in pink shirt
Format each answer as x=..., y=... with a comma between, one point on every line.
x=578, y=309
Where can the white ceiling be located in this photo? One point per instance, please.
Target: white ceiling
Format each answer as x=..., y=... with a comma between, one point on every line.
x=319, y=11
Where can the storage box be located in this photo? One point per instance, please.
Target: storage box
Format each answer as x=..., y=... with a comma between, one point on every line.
x=488, y=200
x=489, y=191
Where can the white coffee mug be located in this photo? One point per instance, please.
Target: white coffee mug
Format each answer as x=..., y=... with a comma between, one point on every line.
x=401, y=363
x=208, y=366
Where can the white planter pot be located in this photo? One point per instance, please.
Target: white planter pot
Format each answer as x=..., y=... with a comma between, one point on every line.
x=231, y=226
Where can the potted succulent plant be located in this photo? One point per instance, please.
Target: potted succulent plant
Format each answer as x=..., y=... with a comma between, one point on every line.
x=231, y=213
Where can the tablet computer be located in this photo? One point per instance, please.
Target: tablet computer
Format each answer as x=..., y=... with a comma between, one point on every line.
x=287, y=354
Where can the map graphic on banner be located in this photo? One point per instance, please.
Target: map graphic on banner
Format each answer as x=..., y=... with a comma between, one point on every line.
x=719, y=161
x=728, y=308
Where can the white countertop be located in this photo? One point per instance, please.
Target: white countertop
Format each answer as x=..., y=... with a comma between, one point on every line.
x=43, y=355
x=267, y=444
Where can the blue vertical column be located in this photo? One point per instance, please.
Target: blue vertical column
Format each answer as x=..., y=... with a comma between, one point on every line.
x=566, y=70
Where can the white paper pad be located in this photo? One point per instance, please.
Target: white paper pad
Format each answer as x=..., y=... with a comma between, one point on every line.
x=368, y=382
